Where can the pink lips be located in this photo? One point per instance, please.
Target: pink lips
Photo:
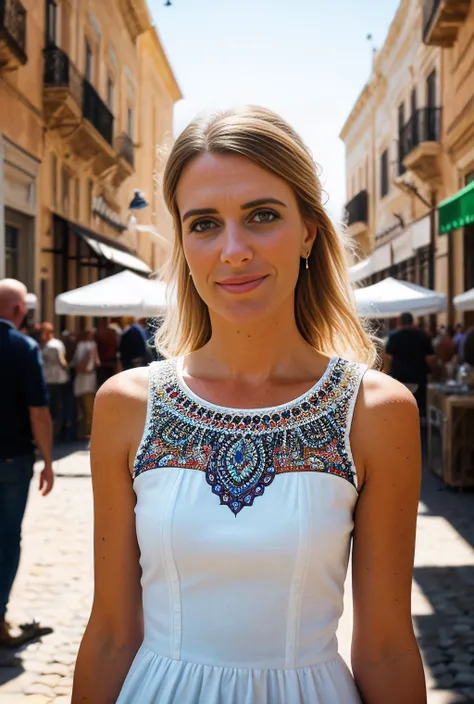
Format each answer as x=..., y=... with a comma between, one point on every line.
x=241, y=284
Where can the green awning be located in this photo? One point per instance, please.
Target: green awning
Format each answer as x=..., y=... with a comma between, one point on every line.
x=457, y=211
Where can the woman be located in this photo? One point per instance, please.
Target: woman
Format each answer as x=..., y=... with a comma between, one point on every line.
x=86, y=360
x=56, y=372
x=254, y=458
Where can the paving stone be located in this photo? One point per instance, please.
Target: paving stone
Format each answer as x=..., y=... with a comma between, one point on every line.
x=464, y=679
x=49, y=680
x=60, y=689
x=43, y=689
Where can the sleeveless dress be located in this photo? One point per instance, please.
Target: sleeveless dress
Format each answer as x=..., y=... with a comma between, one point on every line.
x=244, y=522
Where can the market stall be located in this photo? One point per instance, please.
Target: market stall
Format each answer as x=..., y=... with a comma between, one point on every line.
x=465, y=301
x=123, y=295
x=450, y=433
x=390, y=298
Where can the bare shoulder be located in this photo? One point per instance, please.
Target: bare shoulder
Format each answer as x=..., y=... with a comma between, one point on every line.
x=128, y=386
x=120, y=414
x=380, y=391
x=386, y=423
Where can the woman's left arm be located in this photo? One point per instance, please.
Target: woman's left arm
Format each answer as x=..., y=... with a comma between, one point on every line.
x=386, y=660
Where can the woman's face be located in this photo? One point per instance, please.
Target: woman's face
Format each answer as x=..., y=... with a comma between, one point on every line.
x=243, y=236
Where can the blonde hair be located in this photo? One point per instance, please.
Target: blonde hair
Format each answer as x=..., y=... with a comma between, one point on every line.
x=324, y=305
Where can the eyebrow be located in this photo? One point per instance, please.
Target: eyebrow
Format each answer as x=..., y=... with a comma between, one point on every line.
x=246, y=206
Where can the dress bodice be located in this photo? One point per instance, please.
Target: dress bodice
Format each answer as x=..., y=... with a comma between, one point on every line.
x=244, y=520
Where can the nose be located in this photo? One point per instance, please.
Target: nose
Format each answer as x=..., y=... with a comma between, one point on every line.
x=236, y=249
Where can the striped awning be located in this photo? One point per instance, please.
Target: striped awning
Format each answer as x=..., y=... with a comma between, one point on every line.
x=457, y=211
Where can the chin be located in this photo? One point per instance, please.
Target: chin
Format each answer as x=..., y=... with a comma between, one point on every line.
x=243, y=312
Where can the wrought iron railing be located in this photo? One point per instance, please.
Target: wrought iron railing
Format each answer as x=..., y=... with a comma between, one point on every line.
x=124, y=147
x=96, y=111
x=357, y=210
x=60, y=72
x=430, y=9
x=13, y=25
x=423, y=126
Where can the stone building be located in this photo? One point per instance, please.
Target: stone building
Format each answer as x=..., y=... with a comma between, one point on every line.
x=78, y=84
x=392, y=139
x=409, y=147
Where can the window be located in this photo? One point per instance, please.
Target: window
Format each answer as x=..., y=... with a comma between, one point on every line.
x=88, y=61
x=130, y=122
x=51, y=22
x=110, y=93
x=11, y=252
x=77, y=201
x=401, y=132
x=54, y=182
x=384, y=174
x=431, y=90
x=414, y=119
x=65, y=184
x=90, y=195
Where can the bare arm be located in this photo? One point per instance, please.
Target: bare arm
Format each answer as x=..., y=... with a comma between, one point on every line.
x=385, y=656
x=42, y=428
x=115, y=629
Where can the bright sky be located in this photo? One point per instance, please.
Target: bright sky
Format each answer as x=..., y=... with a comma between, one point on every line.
x=306, y=59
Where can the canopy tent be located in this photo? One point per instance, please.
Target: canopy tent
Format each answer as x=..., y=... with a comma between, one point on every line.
x=361, y=270
x=457, y=211
x=390, y=298
x=31, y=301
x=465, y=301
x=124, y=294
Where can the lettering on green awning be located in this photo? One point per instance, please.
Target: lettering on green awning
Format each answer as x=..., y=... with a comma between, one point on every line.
x=457, y=211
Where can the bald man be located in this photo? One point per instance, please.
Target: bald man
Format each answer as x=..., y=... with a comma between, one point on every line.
x=25, y=421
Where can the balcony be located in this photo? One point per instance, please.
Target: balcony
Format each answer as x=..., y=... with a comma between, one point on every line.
x=62, y=90
x=420, y=147
x=442, y=20
x=93, y=137
x=357, y=218
x=12, y=34
x=126, y=162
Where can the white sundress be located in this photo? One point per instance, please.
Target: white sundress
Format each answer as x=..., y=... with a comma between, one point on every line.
x=244, y=522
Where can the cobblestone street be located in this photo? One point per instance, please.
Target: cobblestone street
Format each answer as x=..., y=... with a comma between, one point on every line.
x=55, y=586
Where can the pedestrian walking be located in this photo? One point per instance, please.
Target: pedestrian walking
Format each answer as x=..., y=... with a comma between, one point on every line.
x=85, y=361
x=409, y=357
x=133, y=345
x=25, y=421
x=56, y=371
x=229, y=478
x=107, y=347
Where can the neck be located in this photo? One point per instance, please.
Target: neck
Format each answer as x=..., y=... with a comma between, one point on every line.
x=262, y=348
x=9, y=320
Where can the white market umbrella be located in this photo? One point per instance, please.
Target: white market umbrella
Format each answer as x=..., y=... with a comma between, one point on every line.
x=31, y=301
x=124, y=294
x=465, y=301
x=390, y=298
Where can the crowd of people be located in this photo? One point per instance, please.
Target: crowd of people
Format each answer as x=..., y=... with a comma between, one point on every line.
x=76, y=365
x=415, y=356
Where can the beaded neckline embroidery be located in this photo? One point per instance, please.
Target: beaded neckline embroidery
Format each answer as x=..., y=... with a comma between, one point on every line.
x=241, y=452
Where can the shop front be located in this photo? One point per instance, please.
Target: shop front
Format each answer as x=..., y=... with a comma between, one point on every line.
x=18, y=212
x=82, y=256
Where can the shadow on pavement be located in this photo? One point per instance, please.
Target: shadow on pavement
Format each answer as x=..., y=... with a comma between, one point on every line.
x=63, y=450
x=446, y=636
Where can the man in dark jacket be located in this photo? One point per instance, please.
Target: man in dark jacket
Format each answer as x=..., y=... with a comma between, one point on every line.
x=25, y=420
x=133, y=346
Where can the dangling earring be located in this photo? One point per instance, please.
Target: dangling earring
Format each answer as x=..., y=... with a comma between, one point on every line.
x=307, y=257
x=190, y=273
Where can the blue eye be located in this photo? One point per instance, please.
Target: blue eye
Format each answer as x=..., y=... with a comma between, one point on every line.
x=265, y=216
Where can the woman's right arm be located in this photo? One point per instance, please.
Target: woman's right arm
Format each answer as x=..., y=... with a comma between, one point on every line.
x=115, y=629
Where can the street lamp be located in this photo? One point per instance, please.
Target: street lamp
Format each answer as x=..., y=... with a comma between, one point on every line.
x=138, y=201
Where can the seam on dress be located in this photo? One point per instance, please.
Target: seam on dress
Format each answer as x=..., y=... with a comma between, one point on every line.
x=299, y=575
x=150, y=405
x=172, y=574
x=350, y=414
